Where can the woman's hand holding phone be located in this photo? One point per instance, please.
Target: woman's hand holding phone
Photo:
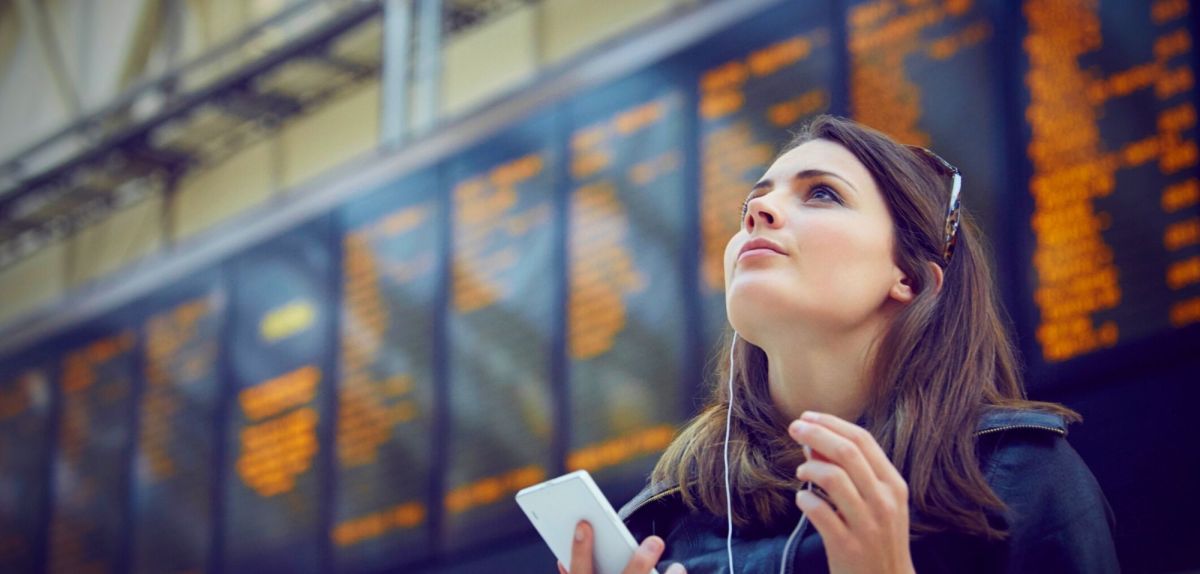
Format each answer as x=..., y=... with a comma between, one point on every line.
x=642, y=562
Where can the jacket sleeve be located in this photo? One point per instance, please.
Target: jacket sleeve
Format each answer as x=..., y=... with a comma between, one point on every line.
x=1059, y=519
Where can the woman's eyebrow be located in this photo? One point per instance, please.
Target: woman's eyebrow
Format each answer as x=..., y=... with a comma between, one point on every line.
x=806, y=174
x=811, y=173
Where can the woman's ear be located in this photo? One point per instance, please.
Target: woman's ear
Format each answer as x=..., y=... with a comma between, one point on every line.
x=902, y=289
x=938, y=275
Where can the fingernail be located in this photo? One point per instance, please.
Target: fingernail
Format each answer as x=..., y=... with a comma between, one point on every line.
x=653, y=544
x=803, y=501
x=675, y=568
x=579, y=533
x=810, y=416
x=797, y=427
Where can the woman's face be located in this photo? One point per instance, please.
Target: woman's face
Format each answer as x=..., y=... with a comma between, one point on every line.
x=814, y=250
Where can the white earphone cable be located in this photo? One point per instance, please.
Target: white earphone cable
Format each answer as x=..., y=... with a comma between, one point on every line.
x=728, y=498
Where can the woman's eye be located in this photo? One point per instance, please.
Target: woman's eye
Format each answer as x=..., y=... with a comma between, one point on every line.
x=825, y=192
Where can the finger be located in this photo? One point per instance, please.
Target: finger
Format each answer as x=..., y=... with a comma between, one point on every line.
x=841, y=491
x=561, y=570
x=581, y=549
x=842, y=452
x=676, y=568
x=826, y=521
x=876, y=458
x=646, y=556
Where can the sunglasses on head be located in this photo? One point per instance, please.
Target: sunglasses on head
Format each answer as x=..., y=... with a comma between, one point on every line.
x=952, y=209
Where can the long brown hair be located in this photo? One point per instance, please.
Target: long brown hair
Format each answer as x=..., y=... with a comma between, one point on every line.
x=945, y=358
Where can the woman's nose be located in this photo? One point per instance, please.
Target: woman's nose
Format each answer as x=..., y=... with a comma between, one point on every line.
x=760, y=212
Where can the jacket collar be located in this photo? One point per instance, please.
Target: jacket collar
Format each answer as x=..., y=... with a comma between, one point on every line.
x=648, y=494
x=993, y=420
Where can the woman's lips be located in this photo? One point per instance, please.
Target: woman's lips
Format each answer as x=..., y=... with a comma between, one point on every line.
x=760, y=247
x=757, y=253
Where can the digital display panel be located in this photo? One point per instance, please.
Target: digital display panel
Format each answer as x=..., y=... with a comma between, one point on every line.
x=505, y=298
x=25, y=441
x=96, y=383
x=1112, y=248
x=392, y=253
x=626, y=312
x=279, y=350
x=178, y=413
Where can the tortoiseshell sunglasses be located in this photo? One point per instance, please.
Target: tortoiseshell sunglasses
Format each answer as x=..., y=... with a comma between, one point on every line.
x=952, y=209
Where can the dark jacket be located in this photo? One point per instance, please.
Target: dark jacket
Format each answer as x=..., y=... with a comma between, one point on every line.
x=1058, y=520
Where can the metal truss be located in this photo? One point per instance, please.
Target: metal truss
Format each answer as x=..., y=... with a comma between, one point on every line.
x=115, y=156
x=203, y=112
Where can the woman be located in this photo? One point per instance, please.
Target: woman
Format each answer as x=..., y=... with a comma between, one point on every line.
x=855, y=295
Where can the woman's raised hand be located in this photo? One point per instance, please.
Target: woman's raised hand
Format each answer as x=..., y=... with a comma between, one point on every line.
x=642, y=562
x=868, y=529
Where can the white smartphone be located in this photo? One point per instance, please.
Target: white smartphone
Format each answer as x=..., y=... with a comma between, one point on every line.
x=557, y=505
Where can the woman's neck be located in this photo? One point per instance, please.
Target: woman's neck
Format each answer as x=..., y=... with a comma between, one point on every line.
x=828, y=374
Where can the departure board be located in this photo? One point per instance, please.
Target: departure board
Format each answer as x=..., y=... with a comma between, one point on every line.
x=1109, y=100
x=758, y=82
x=279, y=349
x=927, y=74
x=391, y=281
x=25, y=440
x=626, y=311
x=505, y=297
x=89, y=522
x=178, y=411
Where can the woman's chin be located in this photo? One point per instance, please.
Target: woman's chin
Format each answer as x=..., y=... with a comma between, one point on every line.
x=759, y=289
x=751, y=305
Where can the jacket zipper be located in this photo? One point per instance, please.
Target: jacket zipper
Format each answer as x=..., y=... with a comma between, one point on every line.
x=1009, y=427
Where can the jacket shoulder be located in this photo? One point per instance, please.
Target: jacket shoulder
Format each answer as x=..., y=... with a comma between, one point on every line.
x=1057, y=514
